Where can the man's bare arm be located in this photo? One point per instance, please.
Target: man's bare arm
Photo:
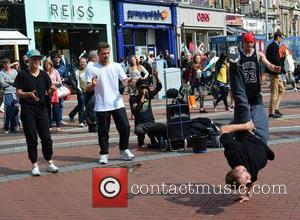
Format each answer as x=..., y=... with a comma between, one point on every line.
x=249, y=126
x=270, y=66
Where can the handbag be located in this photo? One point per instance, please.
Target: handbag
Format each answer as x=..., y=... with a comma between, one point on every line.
x=55, y=98
x=63, y=91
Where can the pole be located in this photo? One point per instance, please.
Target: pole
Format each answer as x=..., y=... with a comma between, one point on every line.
x=266, y=15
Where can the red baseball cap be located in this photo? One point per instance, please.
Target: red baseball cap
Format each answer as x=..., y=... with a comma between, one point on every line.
x=248, y=37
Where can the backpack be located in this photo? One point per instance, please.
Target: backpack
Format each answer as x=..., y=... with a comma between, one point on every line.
x=206, y=126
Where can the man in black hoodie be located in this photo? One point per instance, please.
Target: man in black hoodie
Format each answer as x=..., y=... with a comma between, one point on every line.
x=143, y=115
x=277, y=86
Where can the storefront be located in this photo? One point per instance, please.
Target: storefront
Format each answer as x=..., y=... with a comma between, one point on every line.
x=69, y=26
x=144, y=29
x=13, y=40
x=195, y=25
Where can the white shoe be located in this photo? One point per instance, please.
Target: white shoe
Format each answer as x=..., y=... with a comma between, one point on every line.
x=35, y=171
x=64, y=122
x=103, y=159
x=126, y=155
x=52, y=168
x=81, y=125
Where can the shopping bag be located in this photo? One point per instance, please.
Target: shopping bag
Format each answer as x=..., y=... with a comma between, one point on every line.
x=63, y=91
x=192, y=101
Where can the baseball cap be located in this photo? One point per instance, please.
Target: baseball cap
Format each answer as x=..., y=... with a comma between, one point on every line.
x=33, y=53
x=248, y=38
x=141, y=83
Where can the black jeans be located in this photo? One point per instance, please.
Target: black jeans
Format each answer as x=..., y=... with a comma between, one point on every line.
x=122, y=124
x=224, y=93
x=155, y=132
x=35, y=121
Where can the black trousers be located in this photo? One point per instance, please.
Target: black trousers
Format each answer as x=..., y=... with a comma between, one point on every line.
x=155, y=132
x=35, y=122
x=224, y=93
x=122, y=124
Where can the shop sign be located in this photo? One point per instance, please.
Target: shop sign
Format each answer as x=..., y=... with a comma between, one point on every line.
x=147, y=14
x=200, y=18
x=203, y=17
x=4, y=15
x=12, y=16
x=234, y=19
x=244, y=2
x=66, y=11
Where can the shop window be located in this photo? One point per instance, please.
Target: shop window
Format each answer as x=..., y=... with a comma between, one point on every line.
x=127, y=36
x=140, y=38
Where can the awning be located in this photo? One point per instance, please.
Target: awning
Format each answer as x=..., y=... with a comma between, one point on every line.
x=13, y=38
x=235, y=29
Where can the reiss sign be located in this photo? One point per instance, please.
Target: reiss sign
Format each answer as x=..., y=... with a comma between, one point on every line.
x=203, y=17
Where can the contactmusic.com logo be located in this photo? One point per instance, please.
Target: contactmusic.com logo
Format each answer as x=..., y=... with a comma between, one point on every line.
x=110, y=187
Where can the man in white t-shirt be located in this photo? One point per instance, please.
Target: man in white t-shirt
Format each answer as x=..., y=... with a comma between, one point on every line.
x=109, y=101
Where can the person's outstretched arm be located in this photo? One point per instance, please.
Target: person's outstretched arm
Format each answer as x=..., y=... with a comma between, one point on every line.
x=231, y=128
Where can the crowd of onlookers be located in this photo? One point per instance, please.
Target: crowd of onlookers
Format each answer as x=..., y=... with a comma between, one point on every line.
x=203, y=74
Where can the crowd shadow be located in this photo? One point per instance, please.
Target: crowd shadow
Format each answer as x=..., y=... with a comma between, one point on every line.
x=209, y=200
x=5, y=171
x=76, y=159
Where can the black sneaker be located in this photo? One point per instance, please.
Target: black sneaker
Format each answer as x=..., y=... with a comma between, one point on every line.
x=203, y=111
x=274, y=115
x=233, y=54
x=278, y=112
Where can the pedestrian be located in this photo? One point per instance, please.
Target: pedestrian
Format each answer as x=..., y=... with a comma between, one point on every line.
x=81, y=84
x=11, y=101
x=93, y=59
x=60, y=65
x=222, y=82
x=32, y=87
x=53, y=106
x=109, y=102
x=277, y=84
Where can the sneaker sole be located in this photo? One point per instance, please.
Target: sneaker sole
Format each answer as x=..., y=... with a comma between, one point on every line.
x=127, y=159
x=35, y=175
x=50, y=171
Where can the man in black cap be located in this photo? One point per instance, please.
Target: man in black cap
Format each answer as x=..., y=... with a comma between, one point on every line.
x=143, y=115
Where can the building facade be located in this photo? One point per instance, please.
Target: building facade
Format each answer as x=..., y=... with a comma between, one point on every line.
x=13, y=40
x=144, y=27
x=69, y=26
x=196, y=24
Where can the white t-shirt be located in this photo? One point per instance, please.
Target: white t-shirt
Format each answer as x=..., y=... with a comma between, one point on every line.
x=88, y=73
x=107, y=92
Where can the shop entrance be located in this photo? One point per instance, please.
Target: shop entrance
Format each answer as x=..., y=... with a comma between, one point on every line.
x=69, y=39
x=162, y=40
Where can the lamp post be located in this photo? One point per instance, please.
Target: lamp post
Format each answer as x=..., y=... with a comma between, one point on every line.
x=266, y=15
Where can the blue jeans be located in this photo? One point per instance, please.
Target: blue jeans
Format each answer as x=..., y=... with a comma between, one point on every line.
x=243, y=112
x=60, y=108
x=11, y=107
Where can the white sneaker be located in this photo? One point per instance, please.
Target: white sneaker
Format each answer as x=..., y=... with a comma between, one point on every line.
x=81, y=125
x=126, y=155
x=52, y=168
x=103, y=159
x=64, y=122
x=35, y=171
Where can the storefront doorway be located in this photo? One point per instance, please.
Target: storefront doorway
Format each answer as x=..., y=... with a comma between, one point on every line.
x=69, y=39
